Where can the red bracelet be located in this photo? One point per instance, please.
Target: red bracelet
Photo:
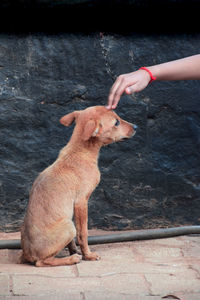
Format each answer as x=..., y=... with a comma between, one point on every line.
x=151, y=75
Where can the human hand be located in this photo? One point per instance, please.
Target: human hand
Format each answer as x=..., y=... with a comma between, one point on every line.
x=128, y=83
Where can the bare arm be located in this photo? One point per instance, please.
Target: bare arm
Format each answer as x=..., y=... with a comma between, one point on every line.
x=181, y=69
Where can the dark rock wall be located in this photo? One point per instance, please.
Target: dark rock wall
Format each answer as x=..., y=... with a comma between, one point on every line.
x=149, y=181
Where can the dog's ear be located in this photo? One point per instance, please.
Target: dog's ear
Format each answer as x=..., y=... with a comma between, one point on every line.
x=90, y=130
x=67, y=120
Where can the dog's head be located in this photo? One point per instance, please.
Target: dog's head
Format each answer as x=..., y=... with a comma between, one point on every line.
x=99, y=123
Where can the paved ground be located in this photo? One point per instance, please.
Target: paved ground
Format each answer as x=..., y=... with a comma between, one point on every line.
x=149, y=270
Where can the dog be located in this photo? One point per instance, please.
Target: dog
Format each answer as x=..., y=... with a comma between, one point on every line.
x=62, y=190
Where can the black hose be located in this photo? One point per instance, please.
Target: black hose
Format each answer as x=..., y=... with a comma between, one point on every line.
x=143, y=235
x=123, y=237
x=10, y=244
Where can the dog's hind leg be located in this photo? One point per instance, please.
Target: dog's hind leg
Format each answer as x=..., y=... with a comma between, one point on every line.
x=54, y=261
x=73, y=248
x=59, y=235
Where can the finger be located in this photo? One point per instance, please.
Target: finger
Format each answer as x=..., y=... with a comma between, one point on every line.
x=110, y=101
x=117, y=96
x=112, y=92
x=120, y=90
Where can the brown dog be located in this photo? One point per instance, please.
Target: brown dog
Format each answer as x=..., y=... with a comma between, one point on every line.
x=63, y=189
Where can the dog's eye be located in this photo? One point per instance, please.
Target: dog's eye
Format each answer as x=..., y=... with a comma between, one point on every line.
x=117, y=123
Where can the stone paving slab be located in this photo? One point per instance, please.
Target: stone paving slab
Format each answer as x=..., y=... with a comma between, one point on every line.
x=185, y=282
x=25, y=269
x=117, y=296
x=140, y=270
x=69, y=296
x=113, y=260
x=101, y=296
x=4, y=284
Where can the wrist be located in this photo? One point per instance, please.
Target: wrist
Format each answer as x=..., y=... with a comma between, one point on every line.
x=149, y=71
x=155, y=71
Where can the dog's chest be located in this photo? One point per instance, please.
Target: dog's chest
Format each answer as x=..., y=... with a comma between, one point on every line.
x=91, y=178
x=87, y=184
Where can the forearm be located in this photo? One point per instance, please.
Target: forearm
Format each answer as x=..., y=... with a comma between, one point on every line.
x=181, y=69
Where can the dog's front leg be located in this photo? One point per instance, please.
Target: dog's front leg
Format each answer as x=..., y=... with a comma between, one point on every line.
x=81, y=220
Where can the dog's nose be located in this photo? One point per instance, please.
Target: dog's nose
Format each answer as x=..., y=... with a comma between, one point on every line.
x=135, y=126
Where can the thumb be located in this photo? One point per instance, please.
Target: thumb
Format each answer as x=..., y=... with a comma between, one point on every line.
x=130, y=89
x=134, y=88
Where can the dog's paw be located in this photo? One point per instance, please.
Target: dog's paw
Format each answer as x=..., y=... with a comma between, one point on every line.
x=91, y=256
x=76, y=258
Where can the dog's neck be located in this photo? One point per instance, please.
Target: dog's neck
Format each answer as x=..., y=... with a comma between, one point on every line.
x=88, y=150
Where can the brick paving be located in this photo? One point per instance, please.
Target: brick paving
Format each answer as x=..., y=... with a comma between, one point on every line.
x=149, y=270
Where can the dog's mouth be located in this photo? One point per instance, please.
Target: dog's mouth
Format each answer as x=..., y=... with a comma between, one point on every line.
x=119, y=139
x=124, y=138
x=128, y=136
x=134, y=132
